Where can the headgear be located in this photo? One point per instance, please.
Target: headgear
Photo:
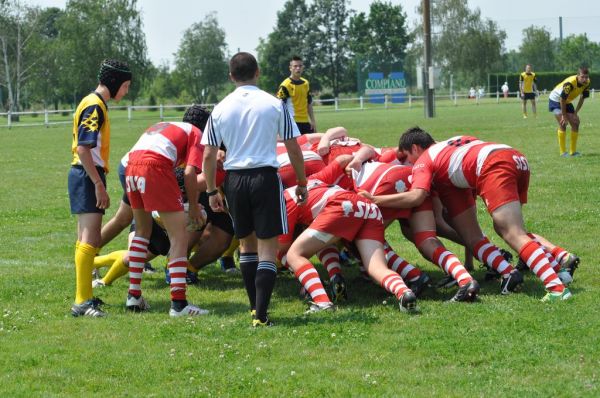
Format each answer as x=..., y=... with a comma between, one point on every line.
x=113, y=74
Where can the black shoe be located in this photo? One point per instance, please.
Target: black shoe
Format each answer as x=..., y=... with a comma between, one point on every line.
x=408, y=302
x=571, y=263
x=512, y=283
x=507, y=255
x=149, y=269
x=446, y=282
x=491, y=274
x=337, y=286
x=418, y=286
x=89, y=308
x=522, y=266
x=467, y=293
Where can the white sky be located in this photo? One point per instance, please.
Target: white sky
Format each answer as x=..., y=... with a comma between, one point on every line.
x=246, y=21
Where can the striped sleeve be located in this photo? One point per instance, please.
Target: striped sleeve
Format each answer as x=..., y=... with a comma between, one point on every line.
x=211, y=136
x=287, y=126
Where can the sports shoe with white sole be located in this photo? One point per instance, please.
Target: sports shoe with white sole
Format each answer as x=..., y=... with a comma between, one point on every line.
x=467, y=293
x=89, y=308
x=188, y=310
x=512, y=283
x=419, y=285
x=319, y=307
x=136, y=304
x=408, y=302
x=571, y=263
x=98, y=283
x=552, y=296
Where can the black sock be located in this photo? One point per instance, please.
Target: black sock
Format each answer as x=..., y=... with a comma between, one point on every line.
x=178, y=305
x=265, y=281
x=248, y=265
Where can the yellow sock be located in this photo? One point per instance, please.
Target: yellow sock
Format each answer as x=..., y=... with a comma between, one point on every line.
x=108, y=259
x=562, y=141
x=573, y=143
x=84, y=264
x=118, y=267
x=231, y=249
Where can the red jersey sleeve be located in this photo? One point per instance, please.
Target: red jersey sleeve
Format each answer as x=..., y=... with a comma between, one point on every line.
x=332, y=174
x=422, y=173
x=195, y=150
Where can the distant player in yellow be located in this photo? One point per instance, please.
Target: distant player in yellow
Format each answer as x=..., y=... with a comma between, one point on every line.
x=560, y=104
x=87, y=177
x=528, y=89
x=295, y=91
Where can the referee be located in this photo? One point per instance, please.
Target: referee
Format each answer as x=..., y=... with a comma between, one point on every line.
x=248, y=122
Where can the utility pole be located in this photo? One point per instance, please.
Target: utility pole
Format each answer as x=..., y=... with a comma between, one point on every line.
x=560, y=34
x=428, y=89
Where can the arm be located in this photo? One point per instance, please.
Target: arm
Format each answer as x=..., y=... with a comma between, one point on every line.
x=191, y=190
x=403, y=200
x=297, y=161
x=311, y=116
x=85, y=157
x=366, y=152
x=330, y=134
x=579, y=104
x=209, y=165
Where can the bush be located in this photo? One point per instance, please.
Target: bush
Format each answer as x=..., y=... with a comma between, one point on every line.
x=327, y=99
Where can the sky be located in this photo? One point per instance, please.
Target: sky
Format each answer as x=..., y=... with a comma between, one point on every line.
x=246, y=21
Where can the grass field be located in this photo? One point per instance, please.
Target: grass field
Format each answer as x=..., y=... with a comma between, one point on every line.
x=501, y=346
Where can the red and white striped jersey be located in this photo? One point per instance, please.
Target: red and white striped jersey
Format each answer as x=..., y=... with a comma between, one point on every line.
x=176, y=142
x=319, y=193
x=284, y=159
x=456, y=161
x=382, y=178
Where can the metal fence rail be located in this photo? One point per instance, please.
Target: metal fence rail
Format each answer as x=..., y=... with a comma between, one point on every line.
x=174, y=112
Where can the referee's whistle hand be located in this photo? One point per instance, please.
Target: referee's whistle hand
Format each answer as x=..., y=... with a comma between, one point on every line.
x=301, y=194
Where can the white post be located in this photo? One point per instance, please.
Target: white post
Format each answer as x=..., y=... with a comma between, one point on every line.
x=409, y=101
x=385, y=101
x=363, y=107
x=455, y=99
x=161, y=113
x=129, y=113
x=593, y=93
x=9, y=119
x=477, y=98
x=336, y=104
x=497, y=97
x=46, y=119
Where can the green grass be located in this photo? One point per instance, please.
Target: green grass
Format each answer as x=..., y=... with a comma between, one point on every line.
x=502, y=346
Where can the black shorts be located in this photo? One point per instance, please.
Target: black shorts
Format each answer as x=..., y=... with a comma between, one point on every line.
x=124, y=198
x=159, y=240
x=82, y=192
x=528, y=96
x=218, y=219
x=255, y=201
x=305, y=128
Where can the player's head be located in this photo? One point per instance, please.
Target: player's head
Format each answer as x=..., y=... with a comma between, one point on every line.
x=197, y=115
x=528, y=68
x=583, y=74
x=116, y=76
x=413, y=141
x=243, y=67
x=296, y=66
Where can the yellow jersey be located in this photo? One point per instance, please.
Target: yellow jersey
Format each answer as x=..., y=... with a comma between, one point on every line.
x=91, y=127
x=526, y=81
x=299, y=93
x=569, y=89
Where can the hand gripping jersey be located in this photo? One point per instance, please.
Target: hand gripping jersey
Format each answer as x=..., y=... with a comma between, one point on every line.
x=456, y=162
x=339, y=147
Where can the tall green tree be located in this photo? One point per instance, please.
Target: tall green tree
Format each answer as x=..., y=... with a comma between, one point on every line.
x=577, y=50
x=538, y=48
x=92, y=30
x=201, y=60
x=328, y=43
x=286, y=40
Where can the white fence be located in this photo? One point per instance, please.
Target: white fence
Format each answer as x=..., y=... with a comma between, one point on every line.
x=167, y=112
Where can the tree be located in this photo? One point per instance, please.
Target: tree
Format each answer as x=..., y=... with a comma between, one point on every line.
x=538, y=48
x=93, y=30
x=328, y=43
x=285, y=41
x=577, y=50
x=201, y=60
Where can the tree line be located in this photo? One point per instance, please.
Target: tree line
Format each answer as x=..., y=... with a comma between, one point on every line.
x=49, y=56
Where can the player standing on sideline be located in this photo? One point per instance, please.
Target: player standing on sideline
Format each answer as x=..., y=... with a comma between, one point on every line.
x=247, y=122
x=87, y=177
x=295, y=91
x=560, y=104
x=528, y=89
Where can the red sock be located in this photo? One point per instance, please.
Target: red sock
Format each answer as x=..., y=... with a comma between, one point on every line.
x=309, y=278
x=177, y=272
x=400, y=265
x=560, y=254
x=489, y=254
x=535, y=257
x=394, y=284
x=137, y=257
x=451, y=265
x=330, y=258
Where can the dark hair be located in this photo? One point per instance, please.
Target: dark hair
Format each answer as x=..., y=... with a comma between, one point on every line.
x=113, y=74
x=296, y=58
x=197, y=115
x=415, y=135
x=583, y=69
x=243, y=67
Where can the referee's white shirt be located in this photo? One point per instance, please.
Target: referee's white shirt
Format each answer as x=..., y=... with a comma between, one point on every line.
x=248, y=122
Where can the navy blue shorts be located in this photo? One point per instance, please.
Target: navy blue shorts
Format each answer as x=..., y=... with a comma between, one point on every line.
x=125, y=199
x=553, y=106
x=82, y=193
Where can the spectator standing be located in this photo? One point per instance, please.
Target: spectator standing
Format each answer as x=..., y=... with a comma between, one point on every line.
x=295, y=91
x=528, y=89
x=505, y=89
x=247, y=122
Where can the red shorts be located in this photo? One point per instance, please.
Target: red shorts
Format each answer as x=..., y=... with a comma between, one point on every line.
x=349, y=216
x=288, y=176
x=504, y=178
x=152, y=185
x=455, y=200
